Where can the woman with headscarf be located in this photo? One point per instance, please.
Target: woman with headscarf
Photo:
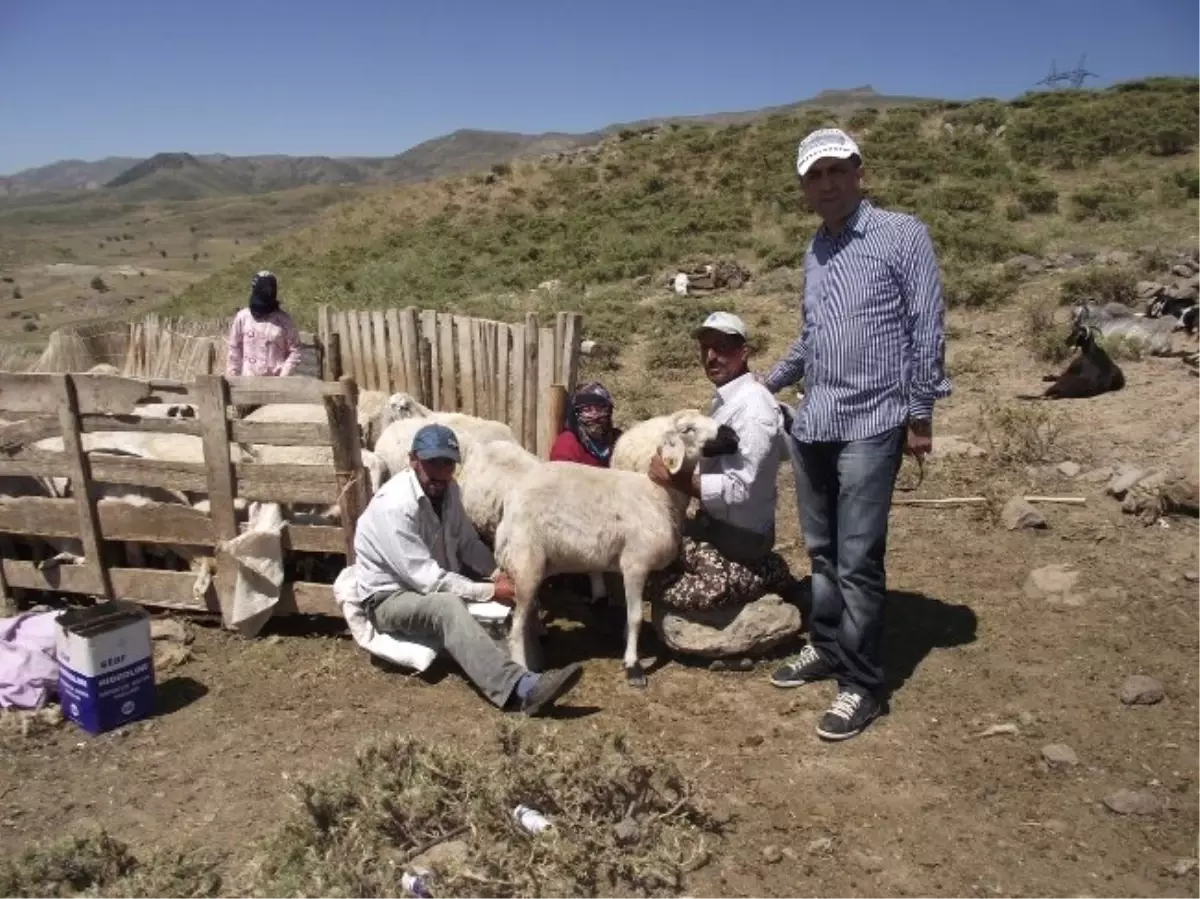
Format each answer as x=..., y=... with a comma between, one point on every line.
x=588, y=435
x=263, y=339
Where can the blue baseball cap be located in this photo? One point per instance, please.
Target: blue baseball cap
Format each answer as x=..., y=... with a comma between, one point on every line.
x=435, y=441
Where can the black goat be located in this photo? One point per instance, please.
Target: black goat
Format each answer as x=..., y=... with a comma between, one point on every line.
x=1174, y=307
x=1091, y=373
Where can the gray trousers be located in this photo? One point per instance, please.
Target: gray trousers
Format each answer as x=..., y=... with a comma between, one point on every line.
x=734, y=543
x=442, y=621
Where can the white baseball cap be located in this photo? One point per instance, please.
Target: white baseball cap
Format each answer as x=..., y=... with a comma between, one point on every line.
x=725, y=322
x=832, y=142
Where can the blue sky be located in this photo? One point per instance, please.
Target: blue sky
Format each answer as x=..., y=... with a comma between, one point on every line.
x=82, y=79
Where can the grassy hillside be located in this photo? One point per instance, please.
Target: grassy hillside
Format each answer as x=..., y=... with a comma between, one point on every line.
x=1047, y=172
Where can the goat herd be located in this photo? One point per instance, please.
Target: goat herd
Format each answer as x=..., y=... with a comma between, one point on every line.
x=1093, y=371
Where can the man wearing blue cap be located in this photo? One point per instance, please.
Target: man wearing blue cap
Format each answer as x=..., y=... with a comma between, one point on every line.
x=411, y=544
x=871, y=352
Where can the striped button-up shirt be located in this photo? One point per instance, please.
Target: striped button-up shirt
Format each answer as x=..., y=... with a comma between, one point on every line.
x=872, y=346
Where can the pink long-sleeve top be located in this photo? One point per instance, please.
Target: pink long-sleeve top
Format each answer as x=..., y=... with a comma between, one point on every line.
x=269, y=346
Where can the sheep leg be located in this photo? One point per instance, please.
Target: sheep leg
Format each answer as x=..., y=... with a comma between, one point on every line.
x=522, y=646
x=635, y=581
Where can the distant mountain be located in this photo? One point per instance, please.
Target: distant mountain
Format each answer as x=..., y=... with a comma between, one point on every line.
x=183, y=176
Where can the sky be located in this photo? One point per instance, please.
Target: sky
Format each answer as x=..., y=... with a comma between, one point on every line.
x=81, y=79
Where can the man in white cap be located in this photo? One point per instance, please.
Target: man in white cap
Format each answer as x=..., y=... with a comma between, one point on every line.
x=727, y=557
x=871, y=352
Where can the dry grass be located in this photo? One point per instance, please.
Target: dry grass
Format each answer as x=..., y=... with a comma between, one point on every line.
x=1022, y=433
x=622, y=825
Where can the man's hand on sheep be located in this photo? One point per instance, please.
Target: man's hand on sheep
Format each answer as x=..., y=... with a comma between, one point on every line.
x=502, y=589
x=682, y=481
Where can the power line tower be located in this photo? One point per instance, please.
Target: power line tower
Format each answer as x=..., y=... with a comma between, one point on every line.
x=1073, y=77
x=1076, y=76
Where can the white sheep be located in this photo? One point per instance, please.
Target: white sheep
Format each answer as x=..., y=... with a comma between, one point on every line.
x=308, y=513
x=395, y=443
x=565, y=518
x=636, y=445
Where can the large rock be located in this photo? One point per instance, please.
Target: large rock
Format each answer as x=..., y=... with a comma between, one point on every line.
x=1019, y=514
x=732, y=630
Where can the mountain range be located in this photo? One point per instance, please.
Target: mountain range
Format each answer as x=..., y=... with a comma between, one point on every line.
x=184, y=176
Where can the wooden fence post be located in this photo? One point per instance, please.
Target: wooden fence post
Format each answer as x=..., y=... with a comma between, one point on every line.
x=555, y=402
x=334, y=356
x=81, y=485
x=324, y=329
x=414, y=377
x=546, y=379
x=353, y=493
x=425, y=367
x=212, y=402
x=530, y=393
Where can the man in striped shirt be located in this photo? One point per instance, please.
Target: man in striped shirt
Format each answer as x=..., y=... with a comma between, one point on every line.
x=871, y=352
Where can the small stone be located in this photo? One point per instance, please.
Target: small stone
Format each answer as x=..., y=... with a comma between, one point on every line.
x=1069, y=469
x=1019, y=514
x=1182, y=867
x=443, y=857
x=1142, y=690
x=169, y=629
x=1147, y=289
x=753, y=740
x=1181, y=270
x=868, y=862
x=1132, y=802
x=1060, y=755
x=1191, y=577
x=718, y=665
x=1056, y=584
x=1026, y=718
x=627, y=831
x=772, y=855
x=819, y=846
x=1096, y=475
x=949, y=445
x=1124, y=479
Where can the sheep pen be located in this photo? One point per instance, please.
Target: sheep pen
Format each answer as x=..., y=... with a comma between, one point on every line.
x=85, y=470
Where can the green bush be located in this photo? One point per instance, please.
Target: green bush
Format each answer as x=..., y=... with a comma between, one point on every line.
x=1016, y=211
x=1099, y=285
x=1038, y=198
x=979, y=289
x=961, y=197
x=1102, y=203
x=991, y=114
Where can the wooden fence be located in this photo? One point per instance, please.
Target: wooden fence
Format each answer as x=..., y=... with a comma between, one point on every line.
x=44, y=405
x=155, y=347
x=514, y=373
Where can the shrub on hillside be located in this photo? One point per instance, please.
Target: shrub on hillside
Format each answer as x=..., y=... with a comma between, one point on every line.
x=1179, y=187
x=991, y=114
x=978, y=288
x=1038, y=198
x=98, y=284
x=961, y=197
x=1099, y=285
x=1102, y=203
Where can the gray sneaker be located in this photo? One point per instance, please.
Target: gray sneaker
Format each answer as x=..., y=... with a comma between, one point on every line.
x=807, y=667
x=849, y=715
x=549, y=687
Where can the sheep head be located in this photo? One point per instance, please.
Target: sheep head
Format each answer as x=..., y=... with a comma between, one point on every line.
x=674, y=453
x=400, y=406
x=702, y=435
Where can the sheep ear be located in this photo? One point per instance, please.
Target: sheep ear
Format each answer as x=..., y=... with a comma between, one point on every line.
x=673, y=452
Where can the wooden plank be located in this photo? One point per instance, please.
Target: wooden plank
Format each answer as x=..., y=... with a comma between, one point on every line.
x=383, y=364
x=545, y=376
x=516, y=415
x=212, y=402
x=295, y=389
x=429, y=331
x=464, y=329
x=81, y=486
x=425, y=368
x=367, y=381
x=341, y=323
x=163, y=589
x=560, y=329
x=280, y=433
x=555, y=403
x=397, y=373
x=479, y=369
x=324, y=329
x=572, y=337
x=502, y=333
x=413, y=379
x=529, y=438
x=30, y=430
x=352, y=481
x=449, y=394
x=145, y=523
x=352, y=351
x=491, y=331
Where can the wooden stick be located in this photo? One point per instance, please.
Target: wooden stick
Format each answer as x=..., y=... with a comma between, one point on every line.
x=981, y=500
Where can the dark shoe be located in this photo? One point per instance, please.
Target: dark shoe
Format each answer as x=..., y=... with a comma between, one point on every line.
x=807, y=667
x=549, y=687
x=849, y=715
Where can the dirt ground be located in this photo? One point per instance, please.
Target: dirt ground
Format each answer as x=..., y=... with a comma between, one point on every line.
x=920, y=804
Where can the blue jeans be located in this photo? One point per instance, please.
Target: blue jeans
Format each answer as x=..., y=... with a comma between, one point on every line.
x=844, y=492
